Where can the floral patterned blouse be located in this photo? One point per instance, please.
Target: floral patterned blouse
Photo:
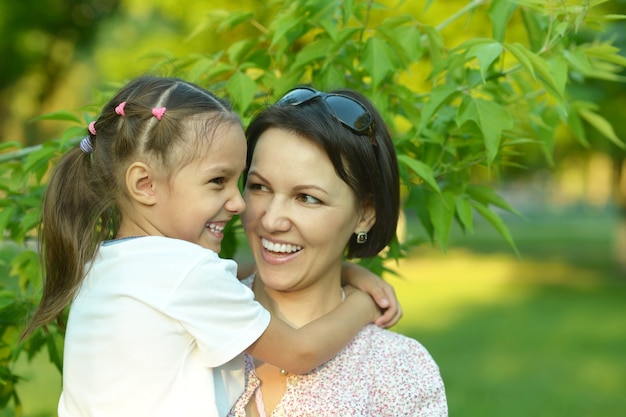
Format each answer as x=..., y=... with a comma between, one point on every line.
x=380, y=373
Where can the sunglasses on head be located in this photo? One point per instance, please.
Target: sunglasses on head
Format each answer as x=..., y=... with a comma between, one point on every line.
x=350, y=112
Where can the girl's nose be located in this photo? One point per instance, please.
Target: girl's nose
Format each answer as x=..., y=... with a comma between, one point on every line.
x=236, y=203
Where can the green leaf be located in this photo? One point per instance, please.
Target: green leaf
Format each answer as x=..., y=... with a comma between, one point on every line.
x=500, y=13
x=559, y=71
x=602, y=125
x=486, y=54
x=343, y=36
x=330, y=27
x=403, y=36
x=441, y=209
x=439, y=95
x=233, y=19
x=331, y=76
x=10, y=145
x=395, y=21
x=39, y=156
x=518, y=51
x=576, y=125
x=487, y=195
x=422, y=170
x=30, y=220
x=238, y=50
x=579, y=60
x=6, y=214
x=55, y=349
x=497, y=223
x=348, y=10
x=378, y=60
x=490, y=117
x=543, y=69
x=417, y=199
x=284, y=24
x=218, y=69
x=7, y=298
x=409, y=40
x=535, y=30
x=464, y=212
x=436, y=48
x=544, y=122
x=311, y=52
x=62, y=115
x=242, y=90
x=605, y=52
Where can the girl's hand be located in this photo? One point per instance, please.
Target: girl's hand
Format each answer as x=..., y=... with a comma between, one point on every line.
x=382, y=292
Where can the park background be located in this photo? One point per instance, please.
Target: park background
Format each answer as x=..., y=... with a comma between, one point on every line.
x=536, y=328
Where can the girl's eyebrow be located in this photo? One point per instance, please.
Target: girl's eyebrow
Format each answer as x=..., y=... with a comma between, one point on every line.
x=221, y=169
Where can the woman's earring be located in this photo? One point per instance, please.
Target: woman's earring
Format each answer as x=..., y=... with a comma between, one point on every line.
x=361, y=237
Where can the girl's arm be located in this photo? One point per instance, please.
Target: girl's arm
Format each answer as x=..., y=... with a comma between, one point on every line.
x=301, y=350
x=362, y=278
x=244, y=270
x=382, y=292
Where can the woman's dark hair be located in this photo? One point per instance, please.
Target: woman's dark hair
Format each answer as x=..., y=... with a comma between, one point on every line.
x=367, y=163
x=148, y=118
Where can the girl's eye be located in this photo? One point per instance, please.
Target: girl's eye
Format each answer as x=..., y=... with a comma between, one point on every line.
x=309, y=199
x=218, y=181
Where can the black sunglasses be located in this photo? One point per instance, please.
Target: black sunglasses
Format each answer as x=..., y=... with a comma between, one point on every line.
x=347, y=110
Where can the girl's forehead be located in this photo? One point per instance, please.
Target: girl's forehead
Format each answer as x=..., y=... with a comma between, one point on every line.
x=204, y=131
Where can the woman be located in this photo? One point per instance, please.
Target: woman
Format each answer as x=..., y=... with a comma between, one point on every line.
x=322, y=183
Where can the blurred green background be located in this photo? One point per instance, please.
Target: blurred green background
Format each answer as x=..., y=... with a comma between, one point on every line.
x=540, y=335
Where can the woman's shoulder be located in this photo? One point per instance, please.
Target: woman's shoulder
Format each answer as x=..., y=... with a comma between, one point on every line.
x=386, y=348
x=387, y=340
x=402, y=378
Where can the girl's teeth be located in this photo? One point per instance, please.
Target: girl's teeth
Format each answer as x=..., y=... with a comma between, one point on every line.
x=215, y=228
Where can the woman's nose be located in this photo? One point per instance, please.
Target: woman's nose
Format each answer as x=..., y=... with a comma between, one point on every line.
x=275, y=217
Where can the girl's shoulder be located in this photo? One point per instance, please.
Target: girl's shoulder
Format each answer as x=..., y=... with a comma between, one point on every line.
x=156, y=252
x=156, y=245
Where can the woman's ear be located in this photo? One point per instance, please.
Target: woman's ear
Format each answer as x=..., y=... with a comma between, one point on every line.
x=141, y=184
x=367, y=219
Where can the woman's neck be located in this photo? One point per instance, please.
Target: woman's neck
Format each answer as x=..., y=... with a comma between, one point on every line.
x=299, y=307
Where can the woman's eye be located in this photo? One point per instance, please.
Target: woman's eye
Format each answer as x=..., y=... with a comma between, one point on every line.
x=309, y=199
x=256, y=187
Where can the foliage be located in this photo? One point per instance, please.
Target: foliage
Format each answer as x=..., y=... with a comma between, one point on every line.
x=461, y=114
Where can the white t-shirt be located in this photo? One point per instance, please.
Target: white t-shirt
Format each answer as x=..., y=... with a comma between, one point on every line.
x=152, y=320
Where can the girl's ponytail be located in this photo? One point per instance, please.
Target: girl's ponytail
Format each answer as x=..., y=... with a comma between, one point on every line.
x=70, y=231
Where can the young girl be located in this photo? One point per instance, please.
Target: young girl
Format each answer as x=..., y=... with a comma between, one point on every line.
x=132, y=223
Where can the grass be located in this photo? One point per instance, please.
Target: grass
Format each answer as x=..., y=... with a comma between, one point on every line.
x=539, y=336
x=543, y=335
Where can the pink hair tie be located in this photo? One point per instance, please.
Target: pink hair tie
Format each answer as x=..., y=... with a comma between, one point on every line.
x=120, y=109
x=92, y=128
x=158, y=112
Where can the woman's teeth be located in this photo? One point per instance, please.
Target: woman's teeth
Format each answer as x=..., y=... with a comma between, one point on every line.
x=280, y=247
